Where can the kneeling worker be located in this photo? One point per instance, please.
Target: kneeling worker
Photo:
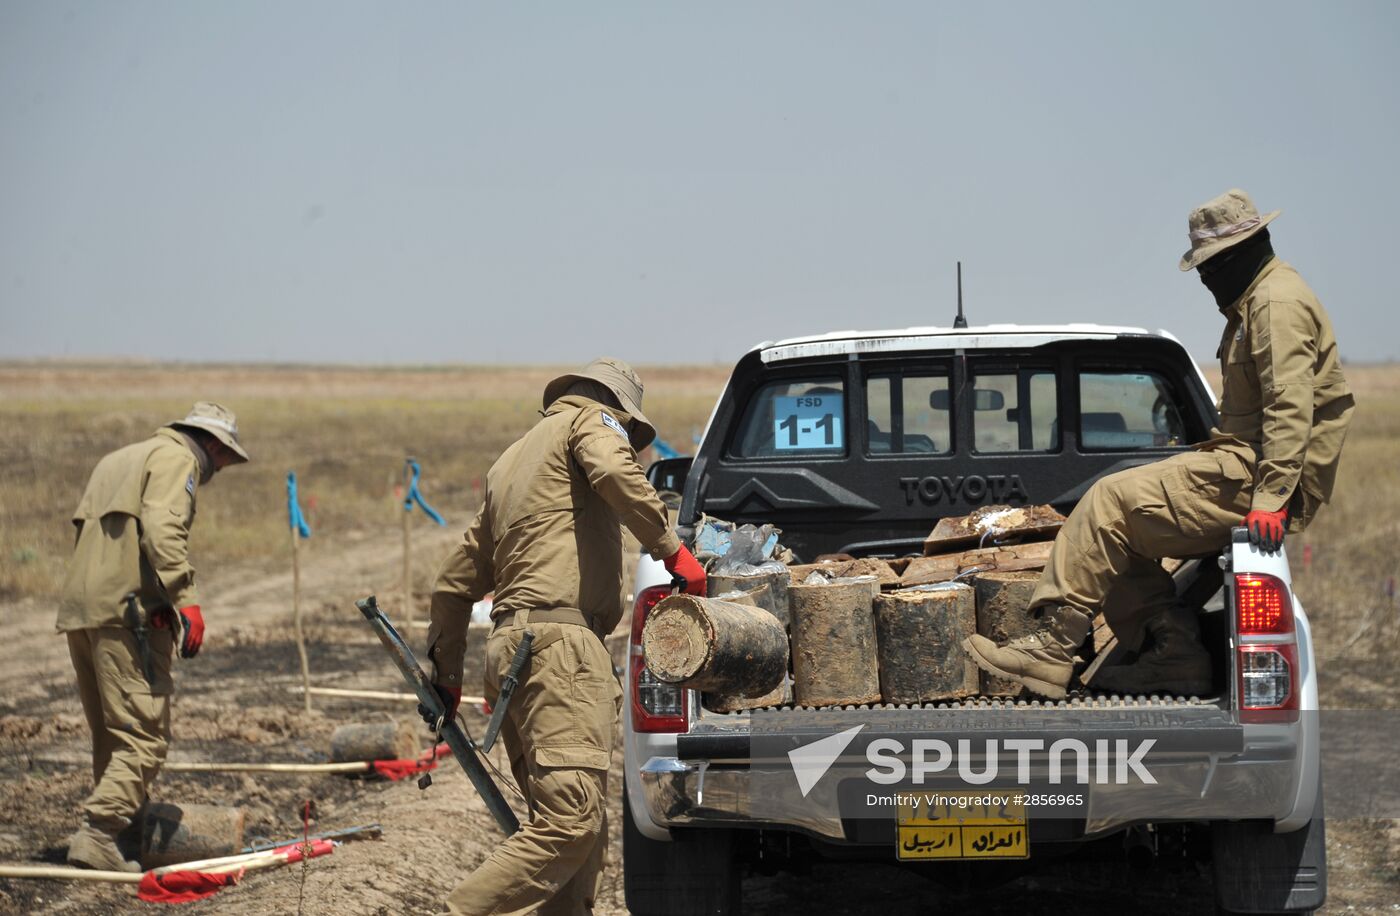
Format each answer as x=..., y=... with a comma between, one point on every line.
x=129, y=585
x=1269, y=466
x=547, y=542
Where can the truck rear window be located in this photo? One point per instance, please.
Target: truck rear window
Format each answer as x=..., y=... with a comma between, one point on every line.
x=796, y=417
x=1125, y=410
x=908, y=413
x=1015, y=411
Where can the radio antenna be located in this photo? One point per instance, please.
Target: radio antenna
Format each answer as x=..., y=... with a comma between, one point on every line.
x=960, y=321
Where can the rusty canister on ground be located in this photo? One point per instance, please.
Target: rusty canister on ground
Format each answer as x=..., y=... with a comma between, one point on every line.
x=186, y=833
x=374, y=741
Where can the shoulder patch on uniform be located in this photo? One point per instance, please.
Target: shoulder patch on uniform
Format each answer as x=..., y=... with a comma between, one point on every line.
x=189, y=485
x=610, y=420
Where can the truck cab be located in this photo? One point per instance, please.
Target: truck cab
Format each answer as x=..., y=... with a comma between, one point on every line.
x=858, y=443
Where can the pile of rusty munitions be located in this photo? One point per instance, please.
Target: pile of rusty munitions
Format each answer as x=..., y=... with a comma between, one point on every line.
x=846, y=631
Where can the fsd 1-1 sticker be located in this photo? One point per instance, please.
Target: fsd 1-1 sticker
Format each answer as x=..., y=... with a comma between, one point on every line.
x=811, y=421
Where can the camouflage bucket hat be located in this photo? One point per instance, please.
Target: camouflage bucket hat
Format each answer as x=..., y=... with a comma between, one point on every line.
x=216, y=420
x=617, y=377
x=1221, y=223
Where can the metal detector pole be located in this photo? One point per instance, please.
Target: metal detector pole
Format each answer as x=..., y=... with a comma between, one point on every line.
x=461, y=746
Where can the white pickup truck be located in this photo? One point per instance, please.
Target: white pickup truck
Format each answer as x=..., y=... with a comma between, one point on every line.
x=918, y=424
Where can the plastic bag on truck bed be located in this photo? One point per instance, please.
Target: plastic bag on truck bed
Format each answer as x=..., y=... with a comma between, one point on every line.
x=742, y=550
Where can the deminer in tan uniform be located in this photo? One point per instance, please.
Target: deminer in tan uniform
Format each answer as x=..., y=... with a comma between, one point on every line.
x=129, y=585
x=547, y=541
x=1269, y=465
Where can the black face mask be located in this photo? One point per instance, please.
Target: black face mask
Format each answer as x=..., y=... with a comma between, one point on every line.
x=1228, y=274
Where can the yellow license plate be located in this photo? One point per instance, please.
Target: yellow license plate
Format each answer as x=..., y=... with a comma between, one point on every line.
x=961, y=825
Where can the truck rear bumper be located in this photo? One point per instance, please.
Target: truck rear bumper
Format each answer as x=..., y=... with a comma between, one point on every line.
x=696, y=794
x=729, y=773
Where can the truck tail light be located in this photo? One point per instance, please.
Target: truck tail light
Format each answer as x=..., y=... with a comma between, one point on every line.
x=656, y=707
x=1263, y=606
x=1268, y=669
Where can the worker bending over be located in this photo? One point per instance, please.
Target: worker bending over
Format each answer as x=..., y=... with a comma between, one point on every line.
x=129, y=586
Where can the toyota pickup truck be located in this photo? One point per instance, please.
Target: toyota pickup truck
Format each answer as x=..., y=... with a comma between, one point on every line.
x=857, y=443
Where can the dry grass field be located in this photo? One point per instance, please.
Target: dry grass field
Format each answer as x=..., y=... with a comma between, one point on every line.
x=345, y=431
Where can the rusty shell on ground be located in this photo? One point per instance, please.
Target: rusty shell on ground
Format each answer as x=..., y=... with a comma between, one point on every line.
x=172, y=834
x=833, y=643
x=709, y=644
x=374, y=741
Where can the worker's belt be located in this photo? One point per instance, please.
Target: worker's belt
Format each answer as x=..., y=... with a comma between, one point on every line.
x=543, y=615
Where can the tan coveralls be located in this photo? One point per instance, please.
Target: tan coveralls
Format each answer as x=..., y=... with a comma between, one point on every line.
x=133, y=526
x=1283, y=415
x=547, y=542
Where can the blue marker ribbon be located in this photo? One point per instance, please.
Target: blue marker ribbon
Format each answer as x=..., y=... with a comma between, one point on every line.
x=414, y=496
x=664, y=449
x=295, y=519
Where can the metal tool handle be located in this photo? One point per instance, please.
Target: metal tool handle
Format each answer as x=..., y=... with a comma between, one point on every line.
x=451, y=732
x=141, y=633
x=508, y=685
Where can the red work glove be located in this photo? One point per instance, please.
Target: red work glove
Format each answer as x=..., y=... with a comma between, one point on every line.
x=683, y=564
x=451, y=698
x=192, y=622
x=1266, y=528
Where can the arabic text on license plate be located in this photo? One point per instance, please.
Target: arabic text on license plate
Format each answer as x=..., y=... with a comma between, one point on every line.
x=937, y=825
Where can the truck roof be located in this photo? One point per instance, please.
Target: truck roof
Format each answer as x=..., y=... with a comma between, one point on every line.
x=838, y=343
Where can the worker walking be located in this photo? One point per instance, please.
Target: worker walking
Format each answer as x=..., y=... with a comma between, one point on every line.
x=547, y=542
x=129, y=585
x=1269, y=465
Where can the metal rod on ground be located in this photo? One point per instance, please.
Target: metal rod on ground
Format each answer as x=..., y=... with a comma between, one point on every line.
x=296, y=618
x=462, y=748
x=369, y=831
x=407, y=554
x=379, y=695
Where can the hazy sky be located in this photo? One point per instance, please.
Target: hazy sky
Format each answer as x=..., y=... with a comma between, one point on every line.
x=462, y=182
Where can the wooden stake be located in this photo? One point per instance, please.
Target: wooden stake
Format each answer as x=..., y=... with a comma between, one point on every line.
x=407, y=561
x=296, y=618
x=251, y=861
x=59, y=873
x=357, y=766
x=380, y=695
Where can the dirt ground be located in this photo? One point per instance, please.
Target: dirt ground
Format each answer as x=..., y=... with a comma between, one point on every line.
x=236, y=702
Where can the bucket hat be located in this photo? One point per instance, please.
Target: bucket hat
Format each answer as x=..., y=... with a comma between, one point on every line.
x=216, y=420
x=617, y=377
x=1222, y=222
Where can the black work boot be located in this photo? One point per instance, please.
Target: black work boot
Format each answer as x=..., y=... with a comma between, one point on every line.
x=1177, y=664
x=1042, y=662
